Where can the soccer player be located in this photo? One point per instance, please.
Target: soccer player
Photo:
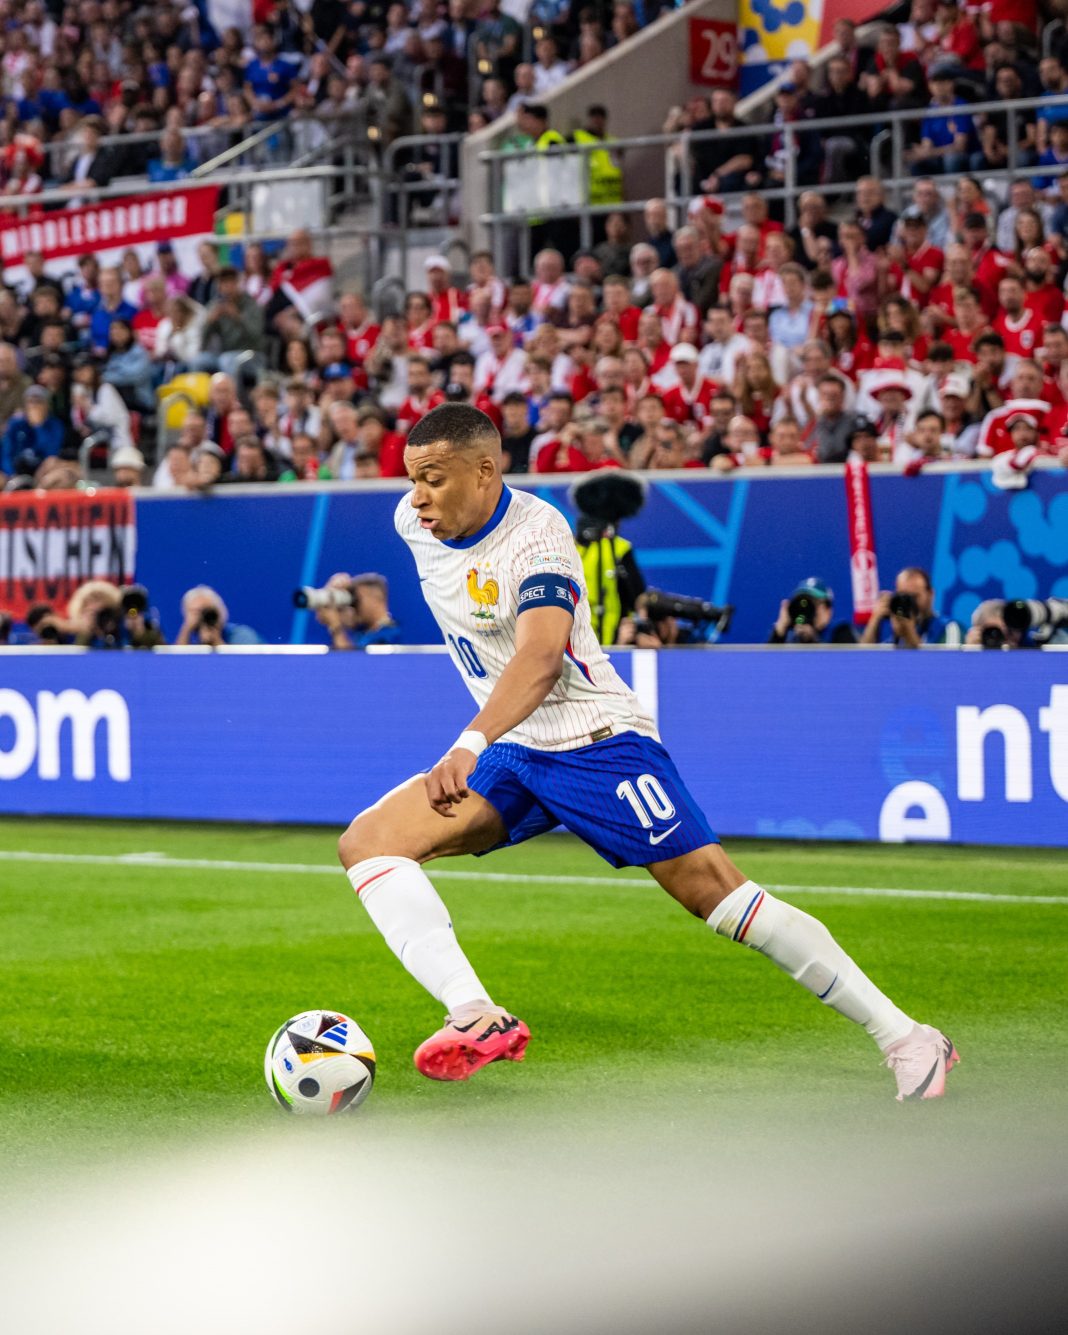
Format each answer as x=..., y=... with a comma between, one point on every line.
x=558, y=739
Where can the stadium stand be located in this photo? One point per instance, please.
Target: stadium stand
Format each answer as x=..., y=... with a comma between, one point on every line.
x=774, y=310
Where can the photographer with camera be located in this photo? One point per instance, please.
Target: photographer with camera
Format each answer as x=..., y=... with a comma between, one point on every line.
x=139, y=631
x=1019, y=623
x=806, y=617
x=354, y=609
x=663, y=619
x=206, y=620
x=907, y=617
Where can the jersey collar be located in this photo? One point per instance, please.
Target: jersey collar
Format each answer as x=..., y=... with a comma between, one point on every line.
x=461, y=544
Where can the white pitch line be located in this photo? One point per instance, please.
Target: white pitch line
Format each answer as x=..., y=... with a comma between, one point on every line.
x=161, y=862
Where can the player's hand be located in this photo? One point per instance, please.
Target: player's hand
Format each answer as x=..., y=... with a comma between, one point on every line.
x=446, y=784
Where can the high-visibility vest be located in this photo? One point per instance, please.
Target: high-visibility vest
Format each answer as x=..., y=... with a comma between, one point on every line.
x=599, y=562
x=606, y=179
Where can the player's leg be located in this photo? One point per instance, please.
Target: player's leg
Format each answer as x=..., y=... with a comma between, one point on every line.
x=382, y=852
x=709, y=885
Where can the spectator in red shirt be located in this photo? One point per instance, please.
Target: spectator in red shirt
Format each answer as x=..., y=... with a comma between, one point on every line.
x=618, y=308
x=1019, y=326
x=689, y=400
x=958, y=36
x=971, y=322
x=919, y=263
x=745, y=257
x=153, y=308
x=652, y=342
x=1042, y=293
x=358, y=325
x=446, y=301
x=422, y=396
x=419, y=315
x=989, y=263
x=756, y=389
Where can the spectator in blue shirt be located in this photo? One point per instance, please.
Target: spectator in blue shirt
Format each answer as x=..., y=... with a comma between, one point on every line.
x=1056, y=155
x=110, y=307
x=32, y=435
x=944, y=140
x=907, y=626
x=268, y=79
x=1054, y=80
x=174, y=161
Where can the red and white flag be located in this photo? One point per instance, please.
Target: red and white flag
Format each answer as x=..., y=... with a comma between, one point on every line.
x=863, y=566
x=53, y=541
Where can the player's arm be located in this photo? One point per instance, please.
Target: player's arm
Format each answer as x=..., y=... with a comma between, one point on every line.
x=541, y=637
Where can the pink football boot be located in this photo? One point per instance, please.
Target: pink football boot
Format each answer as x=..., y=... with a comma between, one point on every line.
x=470, y=1040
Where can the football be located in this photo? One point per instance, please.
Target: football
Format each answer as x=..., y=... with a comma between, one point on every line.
x=318, y=1063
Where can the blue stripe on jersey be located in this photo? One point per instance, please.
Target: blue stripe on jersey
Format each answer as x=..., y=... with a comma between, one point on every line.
x=549, y=590
x=461, y=544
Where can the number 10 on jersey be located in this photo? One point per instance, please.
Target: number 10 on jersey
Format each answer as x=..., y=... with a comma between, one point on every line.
x=646, y=796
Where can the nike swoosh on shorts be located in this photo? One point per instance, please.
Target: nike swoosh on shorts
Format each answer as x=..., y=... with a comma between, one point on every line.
x=655, y=839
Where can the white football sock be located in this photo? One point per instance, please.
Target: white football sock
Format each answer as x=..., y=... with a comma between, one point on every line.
x=805, y=949
x=408, y=911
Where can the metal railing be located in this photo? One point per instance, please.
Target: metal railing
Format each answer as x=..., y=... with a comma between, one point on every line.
x=891, y=130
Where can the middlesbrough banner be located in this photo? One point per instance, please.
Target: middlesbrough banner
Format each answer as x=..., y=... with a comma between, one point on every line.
x=50, y=542
x=113, y=222
x=863, y=567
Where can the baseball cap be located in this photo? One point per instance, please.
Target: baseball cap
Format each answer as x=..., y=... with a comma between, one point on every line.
x=37, y=393
x=496, y=329
x=436, y=262
x=862, y=426
x=956, y=385
x=839, y=306
x=1014, y=419
x=337, y=371
x=913, y=214
x=683, y=352
x=945, y=69
x=787, y=87
x=816, y=588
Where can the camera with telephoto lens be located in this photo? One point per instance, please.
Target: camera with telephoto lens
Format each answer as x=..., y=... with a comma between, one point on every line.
x=992, y=637
x=316, y=598
x=660, y=605
x=802, y=609
x=1042, y=617
x=209, y=618
x=904, y=605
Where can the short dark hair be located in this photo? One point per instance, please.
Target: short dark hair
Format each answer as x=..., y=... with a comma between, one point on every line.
x=462, y=358
x=941, y=422
x=514, y=398
x=990, y=340
x=457, y=424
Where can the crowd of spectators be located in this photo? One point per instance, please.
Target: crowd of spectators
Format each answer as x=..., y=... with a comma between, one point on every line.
x=730, y=342
x=73, y=73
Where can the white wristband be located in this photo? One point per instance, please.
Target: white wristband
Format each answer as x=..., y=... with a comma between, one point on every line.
x=470, y=741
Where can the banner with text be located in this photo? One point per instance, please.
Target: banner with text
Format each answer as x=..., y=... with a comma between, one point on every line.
x=960, y=746
x=111, y=223
x=51, y=542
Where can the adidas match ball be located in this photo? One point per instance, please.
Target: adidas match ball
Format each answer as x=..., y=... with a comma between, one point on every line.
x=318, y=1063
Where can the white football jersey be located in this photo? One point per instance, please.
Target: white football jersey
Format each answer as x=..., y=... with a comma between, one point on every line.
x=472, y=586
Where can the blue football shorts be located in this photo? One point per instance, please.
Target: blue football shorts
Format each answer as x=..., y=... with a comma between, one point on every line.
x=622, y=795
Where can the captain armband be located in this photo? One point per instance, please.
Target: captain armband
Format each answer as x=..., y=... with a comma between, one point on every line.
x=548, y=590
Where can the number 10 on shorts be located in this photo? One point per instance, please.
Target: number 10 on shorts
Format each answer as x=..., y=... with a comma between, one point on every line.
x=646, y=796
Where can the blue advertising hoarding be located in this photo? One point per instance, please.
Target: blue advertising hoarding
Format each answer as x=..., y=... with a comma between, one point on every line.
x=744, y=540
x=964, y=746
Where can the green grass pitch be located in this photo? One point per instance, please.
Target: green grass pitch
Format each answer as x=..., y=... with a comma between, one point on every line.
x=137, y=999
